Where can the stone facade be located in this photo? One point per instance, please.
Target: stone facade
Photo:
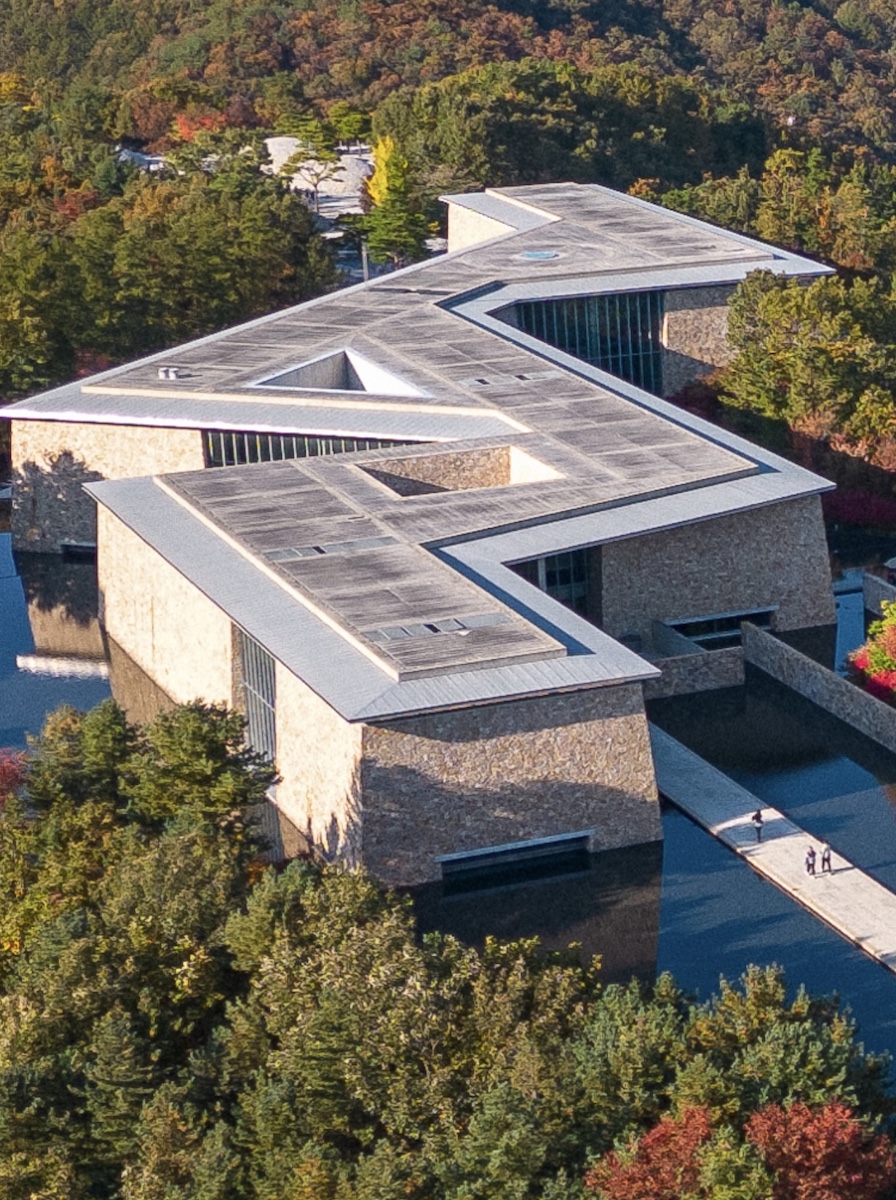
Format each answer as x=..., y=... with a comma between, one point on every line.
x=459, y=470
x=695, y=334
x=319, y=760
x=140, y=697
x=831, y=692
x=166, y=625
x=392, y=796
x=771, y=556
x=701, y=672
x=464, y=780
x=51, y=460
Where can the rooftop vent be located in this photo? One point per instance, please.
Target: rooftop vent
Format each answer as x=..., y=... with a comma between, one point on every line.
x=288, y=553
x=459, y=471
x=461, y=625
x=341, y=371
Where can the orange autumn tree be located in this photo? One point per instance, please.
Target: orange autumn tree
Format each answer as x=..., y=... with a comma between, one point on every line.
x=795, y=1153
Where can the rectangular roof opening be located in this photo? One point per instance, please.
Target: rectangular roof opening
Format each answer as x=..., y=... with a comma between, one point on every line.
x=459, y=471
x=341, y=371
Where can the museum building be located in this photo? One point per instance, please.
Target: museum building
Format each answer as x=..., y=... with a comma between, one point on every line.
x=439, y=535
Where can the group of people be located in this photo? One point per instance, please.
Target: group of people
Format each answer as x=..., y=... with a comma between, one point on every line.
x=811, y=856
x=825, y=859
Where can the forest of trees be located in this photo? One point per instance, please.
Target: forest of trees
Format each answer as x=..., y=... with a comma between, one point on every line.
x=180, y=1022
x=770, y=117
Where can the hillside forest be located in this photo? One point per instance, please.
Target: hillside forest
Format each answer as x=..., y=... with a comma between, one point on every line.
x=179, y=1021
x=778, y=119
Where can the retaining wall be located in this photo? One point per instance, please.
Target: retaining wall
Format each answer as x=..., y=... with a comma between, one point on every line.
x=876, y=590
x=835, y=695
x=701, y=672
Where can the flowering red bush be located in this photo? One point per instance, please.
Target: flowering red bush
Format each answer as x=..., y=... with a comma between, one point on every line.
x=873, y=666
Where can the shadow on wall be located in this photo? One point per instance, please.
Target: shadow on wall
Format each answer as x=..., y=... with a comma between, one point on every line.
x=410, y=817
x=140, y=697
x=50, y=505
x=342, y=839
x=610, y=909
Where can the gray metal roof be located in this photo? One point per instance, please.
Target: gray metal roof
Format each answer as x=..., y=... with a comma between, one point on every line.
x=407, y=595
x=335, y=668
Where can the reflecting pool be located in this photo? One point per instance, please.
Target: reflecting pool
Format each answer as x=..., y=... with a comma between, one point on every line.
x=51, y=647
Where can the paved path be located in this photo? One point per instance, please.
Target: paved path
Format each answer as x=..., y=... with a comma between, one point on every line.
x=851, y=902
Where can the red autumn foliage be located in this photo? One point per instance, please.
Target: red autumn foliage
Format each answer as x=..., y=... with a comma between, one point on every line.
x=821, y=1153
x=664, y=1167
x=76, y=202
x=857, y=507
x=12, y=773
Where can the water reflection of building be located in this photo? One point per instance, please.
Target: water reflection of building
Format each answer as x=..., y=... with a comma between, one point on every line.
x=610, y=908
x=62, y=601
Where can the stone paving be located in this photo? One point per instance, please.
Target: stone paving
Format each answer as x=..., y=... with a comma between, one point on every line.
x=850, y=901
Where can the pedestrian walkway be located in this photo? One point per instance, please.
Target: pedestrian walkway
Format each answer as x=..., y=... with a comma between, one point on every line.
x=851, y=902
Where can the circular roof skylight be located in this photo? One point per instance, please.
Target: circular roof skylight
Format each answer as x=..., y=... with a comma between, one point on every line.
x=539, y=255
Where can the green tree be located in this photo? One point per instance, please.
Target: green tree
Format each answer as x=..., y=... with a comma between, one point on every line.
x=820, y=357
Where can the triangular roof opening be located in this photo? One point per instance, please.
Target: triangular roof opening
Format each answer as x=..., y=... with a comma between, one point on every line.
x=341, y=371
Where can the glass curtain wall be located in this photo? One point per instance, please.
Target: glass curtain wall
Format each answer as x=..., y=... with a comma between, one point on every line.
x=620, y=334
x=563, y=576
x=226, y=449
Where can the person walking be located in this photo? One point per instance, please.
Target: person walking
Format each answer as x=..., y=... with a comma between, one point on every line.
x=810, y=861
x=757, y=823
x=826, y=858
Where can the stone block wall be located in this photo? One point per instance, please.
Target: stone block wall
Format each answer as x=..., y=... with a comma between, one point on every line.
x=51, y=460
x=170, y=629
x=831, y=692
x=876, y=592
x=695, y=334
x=318, y=757
x=450, y=782
x=140, y=696
x=776, y=555
x=696, y=673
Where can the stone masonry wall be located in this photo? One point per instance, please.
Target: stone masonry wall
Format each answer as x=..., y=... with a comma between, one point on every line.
x=829, y=691
x=695, y=334
x=449, y=782
x=166, y=625
x=318, y=757
x=696, y=673
x=876, y=592
x=51, y=460
x=776, y=555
